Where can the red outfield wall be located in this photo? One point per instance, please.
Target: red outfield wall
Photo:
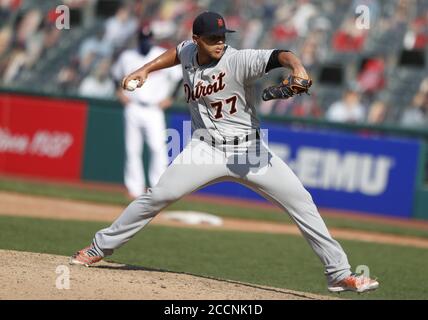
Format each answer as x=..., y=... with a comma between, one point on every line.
x=42, y=137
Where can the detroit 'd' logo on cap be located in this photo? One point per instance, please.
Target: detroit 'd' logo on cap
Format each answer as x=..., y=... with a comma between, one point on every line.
x=220, y=22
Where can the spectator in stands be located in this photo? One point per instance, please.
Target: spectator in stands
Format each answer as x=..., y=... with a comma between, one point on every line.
x=120, y=27
x=348, y=109
x=423, y=88
x=371, y=78
x=92, y=50
x=377, y=112
x=305, y=11
x=52, y=33
x=27, y=46
x=416, y=114
x=28, y=26
x=68, y=77
x=299, y=106
x=283, y=32
x=313, y=50
x=4, y=10
x=390, y=27
x=7, y=7
x=309, y=53
x=252, y=33
x=15, y=62
x=349, y=38
x=283, y=29
x=33, y=36
x=44, y=39
x=306, y=106
x=6, y=34
x=417, y=35
x=98, y=84
x=35, y=46
x=165, y=24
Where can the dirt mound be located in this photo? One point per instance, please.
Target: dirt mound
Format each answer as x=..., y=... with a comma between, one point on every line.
x=27, y=275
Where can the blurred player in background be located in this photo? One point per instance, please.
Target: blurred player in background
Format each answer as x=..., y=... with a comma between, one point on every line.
x=144, y=118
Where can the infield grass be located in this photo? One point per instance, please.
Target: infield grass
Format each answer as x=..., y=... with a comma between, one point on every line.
x=283, y=261
x=232, y=211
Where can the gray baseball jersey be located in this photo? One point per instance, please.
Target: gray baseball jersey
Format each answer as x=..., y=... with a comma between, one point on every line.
x=221, y=101
x=221, y=95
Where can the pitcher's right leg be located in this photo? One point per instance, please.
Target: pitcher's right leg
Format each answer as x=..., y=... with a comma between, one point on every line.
x=186, y=174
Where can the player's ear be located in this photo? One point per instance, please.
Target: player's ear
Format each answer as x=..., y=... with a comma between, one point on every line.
x=195, y=39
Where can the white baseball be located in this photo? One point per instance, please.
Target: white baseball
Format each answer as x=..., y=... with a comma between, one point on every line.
x=132, y=85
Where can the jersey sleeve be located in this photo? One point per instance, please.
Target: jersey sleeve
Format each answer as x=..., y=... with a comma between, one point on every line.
x=250, y=64
x=175, y=73
x=183, y=48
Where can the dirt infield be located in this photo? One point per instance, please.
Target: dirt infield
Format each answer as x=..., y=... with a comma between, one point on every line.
x=28, y=276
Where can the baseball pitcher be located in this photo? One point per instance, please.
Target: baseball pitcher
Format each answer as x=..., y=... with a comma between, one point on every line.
x=227, y=145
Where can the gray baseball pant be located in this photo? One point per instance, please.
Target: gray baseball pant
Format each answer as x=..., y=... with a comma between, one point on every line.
x=201, y=164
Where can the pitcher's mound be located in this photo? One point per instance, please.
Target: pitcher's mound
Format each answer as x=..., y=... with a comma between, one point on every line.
x=26, y=275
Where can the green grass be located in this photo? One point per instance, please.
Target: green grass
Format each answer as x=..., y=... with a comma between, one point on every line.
x=76, y=193
x=275, y=216
x=62, y=191
x=283, y=261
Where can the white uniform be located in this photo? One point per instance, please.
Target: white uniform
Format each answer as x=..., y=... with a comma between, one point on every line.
x=222, y=105
x=144, y=119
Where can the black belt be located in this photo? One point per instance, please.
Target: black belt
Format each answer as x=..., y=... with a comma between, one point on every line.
x=235, y=141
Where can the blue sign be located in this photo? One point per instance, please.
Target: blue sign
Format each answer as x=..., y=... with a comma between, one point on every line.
x=341, y=170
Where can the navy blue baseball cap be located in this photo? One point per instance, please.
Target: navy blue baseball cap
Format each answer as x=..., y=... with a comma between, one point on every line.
x=209, y=23
x=145, y=33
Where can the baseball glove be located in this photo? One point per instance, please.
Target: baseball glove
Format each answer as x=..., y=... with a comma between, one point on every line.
x=287, y=88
